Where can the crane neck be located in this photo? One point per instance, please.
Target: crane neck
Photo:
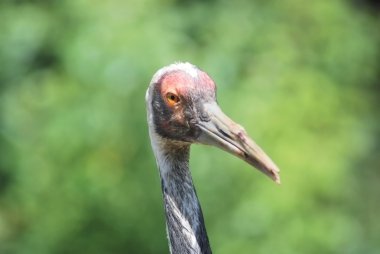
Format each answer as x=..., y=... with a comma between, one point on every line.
x=184, y=219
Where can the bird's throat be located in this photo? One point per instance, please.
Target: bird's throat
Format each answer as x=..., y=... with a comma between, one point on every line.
x=184, y=218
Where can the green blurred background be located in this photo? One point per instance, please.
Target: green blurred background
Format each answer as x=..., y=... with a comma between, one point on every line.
x=77, y=174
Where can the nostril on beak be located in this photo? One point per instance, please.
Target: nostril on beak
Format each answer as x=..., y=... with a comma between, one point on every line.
x=223, y=133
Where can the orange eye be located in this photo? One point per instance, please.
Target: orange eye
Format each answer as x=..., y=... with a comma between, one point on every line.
x=172, y=99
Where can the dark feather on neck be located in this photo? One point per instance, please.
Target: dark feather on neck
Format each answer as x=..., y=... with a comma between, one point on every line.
x=184, y=218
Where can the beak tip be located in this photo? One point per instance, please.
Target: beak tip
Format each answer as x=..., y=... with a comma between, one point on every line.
x=275, y=175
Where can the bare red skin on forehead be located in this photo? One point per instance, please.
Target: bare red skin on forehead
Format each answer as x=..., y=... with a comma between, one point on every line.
x=182, y=83
x=206, y=81
x=176, y=82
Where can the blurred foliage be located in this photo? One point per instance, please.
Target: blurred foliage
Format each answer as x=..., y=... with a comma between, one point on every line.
x=77, y=174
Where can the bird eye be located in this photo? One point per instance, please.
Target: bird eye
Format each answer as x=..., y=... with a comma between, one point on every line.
x=172, y=99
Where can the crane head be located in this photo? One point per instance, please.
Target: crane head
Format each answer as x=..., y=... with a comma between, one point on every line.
x=182, y=109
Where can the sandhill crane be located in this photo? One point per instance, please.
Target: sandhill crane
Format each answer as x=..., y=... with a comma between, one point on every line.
x=182, y=109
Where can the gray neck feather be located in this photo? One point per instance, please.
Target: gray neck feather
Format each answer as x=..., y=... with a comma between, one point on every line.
x=184, y=219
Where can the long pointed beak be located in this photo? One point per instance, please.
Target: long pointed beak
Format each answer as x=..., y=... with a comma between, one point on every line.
x=220, y=131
